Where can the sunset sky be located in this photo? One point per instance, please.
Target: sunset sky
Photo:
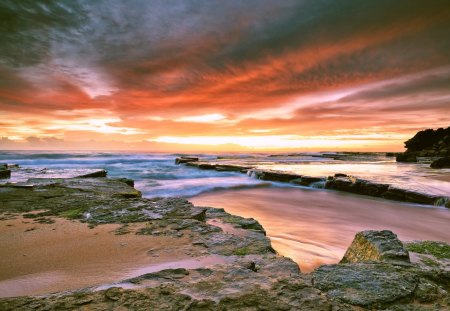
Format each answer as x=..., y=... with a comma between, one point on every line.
x=221, y=75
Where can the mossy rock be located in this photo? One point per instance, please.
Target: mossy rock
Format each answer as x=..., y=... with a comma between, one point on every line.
x=440, y=250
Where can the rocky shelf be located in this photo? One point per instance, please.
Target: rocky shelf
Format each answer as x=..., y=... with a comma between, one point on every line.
x=377, y=272
x=338, y=182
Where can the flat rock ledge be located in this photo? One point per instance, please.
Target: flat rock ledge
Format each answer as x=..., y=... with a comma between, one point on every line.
x=338, y=182
x=372, y=276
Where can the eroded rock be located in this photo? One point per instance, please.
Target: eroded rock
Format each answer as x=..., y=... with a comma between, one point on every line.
x=383, y=246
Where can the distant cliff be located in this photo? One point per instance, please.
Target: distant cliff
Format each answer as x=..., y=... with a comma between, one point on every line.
x=427, y=143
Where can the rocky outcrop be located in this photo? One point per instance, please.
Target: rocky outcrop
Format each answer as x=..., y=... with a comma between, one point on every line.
x=441, y=163
x=372, y=245
x=364, y=187
x=355, y=185
x=340, y=182
x=274, y=176
x=307, y=180
x=427, y=143
x=184, y=159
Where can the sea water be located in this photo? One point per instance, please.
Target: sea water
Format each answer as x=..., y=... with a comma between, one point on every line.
x=156, y=174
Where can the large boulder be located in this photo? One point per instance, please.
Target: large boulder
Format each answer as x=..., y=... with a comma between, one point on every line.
x=376, y=246
x=441, y=163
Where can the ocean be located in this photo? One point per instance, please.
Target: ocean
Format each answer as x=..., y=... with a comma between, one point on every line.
x=156, y=174
x=312, y=226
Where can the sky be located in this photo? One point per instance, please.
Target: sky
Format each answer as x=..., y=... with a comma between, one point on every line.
x=213, y=75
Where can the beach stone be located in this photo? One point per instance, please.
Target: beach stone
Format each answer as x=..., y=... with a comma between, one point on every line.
x=96, y=174
x=376, y=246
x=369, y=285
x=441, y=163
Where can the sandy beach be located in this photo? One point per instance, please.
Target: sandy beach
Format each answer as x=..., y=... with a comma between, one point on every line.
x=315, y=227
x=42, y=258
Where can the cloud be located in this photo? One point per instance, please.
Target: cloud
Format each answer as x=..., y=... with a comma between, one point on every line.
x=167, y=68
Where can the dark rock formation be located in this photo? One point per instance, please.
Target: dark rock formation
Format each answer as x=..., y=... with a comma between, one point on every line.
x=5, y=173
x=376, y=246
x=274, y=176
x=441, y=163
x=427, y=143
x=354, y=185
x=96, y=174
x=184, y=159
x=307, y=180
x=410, y=196
x=364, y=187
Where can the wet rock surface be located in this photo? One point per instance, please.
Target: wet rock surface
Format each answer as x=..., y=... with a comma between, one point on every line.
x=252, y=277
x=339, y=182
x=383, y=246
x=441, y=163
x=364, y=187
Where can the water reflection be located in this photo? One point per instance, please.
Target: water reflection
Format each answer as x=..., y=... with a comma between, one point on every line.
x=315, y=227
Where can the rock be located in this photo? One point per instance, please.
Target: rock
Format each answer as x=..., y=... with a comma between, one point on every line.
x=3, y=166
x=207, y=166
x=409, y=196
x=441, y=163
x=113, y=293
x=129, y=182
x=354, y=185
x=340, y=175
x=183, y=159
x=231, y=168
x=369, y=285
x=307, y=180
x=372, y=245
x=274, y=176
x=427, y=143
x=96, y=174
x=406, y=157
x=5, y=173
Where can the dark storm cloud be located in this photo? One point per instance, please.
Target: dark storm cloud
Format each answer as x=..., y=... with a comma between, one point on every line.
x=173, y=58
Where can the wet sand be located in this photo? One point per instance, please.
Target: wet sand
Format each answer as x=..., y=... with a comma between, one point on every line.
x=315, y=227
x=43, y=258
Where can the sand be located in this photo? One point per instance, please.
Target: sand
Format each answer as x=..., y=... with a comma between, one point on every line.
x=43, y=258
x=315, y=227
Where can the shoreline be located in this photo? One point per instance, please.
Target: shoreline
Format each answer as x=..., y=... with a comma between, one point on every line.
x=251, y=274
x=338, y=182
x=315, y=226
